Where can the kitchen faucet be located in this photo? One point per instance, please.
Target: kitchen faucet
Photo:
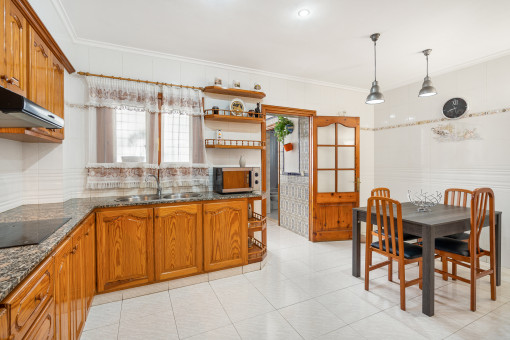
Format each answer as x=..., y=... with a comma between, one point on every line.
x=157, y=181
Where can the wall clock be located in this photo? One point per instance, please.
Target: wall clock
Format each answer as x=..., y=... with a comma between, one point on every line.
x=454, y=108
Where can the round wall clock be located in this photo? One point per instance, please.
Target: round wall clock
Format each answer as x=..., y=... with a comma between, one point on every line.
x=454, y=108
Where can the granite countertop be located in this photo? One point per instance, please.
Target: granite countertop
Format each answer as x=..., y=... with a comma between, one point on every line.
x=18, y=262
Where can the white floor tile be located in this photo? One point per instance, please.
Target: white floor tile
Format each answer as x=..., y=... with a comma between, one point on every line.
x=347, y=306
x=383, y=326
x=224, y=333
x=267, y=326
x=281, y=293
x=103, y=315
x=109, y=332
x=158, y=303
x=311, y=319
x=160, y=326
x=344, y=333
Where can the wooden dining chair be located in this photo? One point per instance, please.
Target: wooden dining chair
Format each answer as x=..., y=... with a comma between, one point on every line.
x=467, y=254
x=458, y=198
x=392, y=246
x=383, y=192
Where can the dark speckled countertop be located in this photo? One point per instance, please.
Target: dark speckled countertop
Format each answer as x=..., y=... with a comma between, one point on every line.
x=18, y=262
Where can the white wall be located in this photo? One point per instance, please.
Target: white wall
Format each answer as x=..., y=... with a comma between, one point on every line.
x=411, y=157
x=42, y=173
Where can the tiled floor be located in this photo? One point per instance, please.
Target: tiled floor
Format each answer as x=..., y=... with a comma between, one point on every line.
x=305, y=291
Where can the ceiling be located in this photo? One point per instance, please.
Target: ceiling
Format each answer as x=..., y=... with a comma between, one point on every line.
x=332, y=44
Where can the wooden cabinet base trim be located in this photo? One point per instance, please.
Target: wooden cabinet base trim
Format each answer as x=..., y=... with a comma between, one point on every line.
x=27, y=136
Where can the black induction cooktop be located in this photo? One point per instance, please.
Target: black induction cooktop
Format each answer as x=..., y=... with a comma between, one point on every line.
x=24, y=233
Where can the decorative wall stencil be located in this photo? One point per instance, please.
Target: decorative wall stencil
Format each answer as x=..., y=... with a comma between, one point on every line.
x=454, y=133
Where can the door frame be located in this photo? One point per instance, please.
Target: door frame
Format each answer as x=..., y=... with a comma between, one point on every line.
x=289, y=111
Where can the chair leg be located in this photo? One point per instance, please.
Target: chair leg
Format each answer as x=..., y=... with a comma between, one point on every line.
x=454, y=271
x=390, y=269
x=473, y=284
x=401, y=269
x=444, y=261
x=368, y=260
x=493, y=276
x=420, y=273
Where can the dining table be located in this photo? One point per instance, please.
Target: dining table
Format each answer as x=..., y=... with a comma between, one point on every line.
x=441, y=220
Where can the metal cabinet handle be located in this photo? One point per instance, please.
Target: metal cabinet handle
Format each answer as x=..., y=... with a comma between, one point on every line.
x=7, y=79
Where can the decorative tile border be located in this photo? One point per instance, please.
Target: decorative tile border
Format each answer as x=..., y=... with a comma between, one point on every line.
x=444, y=119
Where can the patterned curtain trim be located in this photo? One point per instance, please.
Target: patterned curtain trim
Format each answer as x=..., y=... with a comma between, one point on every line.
x=183, y=175
x=122, y=94
x=117, y=175
x=182, y=101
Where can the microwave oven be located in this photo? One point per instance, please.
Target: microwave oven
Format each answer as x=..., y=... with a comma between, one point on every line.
x=235, y=180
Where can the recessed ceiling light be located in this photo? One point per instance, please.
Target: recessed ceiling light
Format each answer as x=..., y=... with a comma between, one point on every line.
x=303, y=12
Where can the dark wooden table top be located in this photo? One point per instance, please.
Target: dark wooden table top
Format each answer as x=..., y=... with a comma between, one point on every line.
x=439, y=215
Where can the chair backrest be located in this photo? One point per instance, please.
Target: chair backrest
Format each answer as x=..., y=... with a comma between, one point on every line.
x=383, y=192
x=457, y=197
x=386, y=210
x=482, y=204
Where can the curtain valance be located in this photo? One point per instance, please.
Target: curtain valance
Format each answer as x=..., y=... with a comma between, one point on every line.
x=122, y=94
x=182, y=101
x=120, y=175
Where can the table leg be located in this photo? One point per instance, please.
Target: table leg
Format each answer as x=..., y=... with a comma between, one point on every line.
x=428, y=272
x=356, y=244
x=498, y=250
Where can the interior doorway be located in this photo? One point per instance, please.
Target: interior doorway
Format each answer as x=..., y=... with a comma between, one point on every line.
x=288, y=178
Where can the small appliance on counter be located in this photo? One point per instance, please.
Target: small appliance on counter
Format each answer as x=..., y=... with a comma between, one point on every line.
x=236, y=180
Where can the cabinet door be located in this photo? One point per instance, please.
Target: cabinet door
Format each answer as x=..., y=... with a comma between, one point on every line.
x=16, y=42
x=125, y=249
x=56, y=93
x=4, y=324
x=44, y=327
x=78, y=281
x=90, y=260
x=178, y=240
x=39, y=70
x=63, y=296
x=225, y=234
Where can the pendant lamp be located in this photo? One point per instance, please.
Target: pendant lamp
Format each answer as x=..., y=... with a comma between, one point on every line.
x=375, y=96
x=427, y=89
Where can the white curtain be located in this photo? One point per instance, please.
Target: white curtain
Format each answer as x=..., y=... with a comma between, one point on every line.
x=126, y=134
x=181, y=100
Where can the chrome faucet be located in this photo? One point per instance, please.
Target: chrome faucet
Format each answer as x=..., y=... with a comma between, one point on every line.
x=157, y=181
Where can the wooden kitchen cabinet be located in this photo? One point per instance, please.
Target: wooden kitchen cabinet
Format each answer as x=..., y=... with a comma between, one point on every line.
x=90, y=259
x=39, y=70
x=63, y=291
x=78, y=291
x=4, y=324
x=178, y=241
x=225, y=234
x=125, y=248
x=44, y=326
x=14, y=76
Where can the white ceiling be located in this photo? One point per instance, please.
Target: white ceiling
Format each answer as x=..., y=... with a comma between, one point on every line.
x=332, y=44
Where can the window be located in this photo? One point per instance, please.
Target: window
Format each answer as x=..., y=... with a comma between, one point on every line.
x=176, y=143
x=131, y=136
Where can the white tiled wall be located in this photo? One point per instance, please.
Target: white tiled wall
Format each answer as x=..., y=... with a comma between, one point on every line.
x=39, y=173
x=411, y=158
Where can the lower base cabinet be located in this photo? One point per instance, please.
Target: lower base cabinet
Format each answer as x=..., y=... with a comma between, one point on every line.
x=178, y=241
x=225, y=235
x=124, y=248
x=4, y=324
x=63, y=293
x=44, y=327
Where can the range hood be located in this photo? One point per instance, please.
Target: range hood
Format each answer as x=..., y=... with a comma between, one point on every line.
x=17, y=111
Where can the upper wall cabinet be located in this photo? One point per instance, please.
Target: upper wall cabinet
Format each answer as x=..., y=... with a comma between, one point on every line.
x=14, y=76
x=31, y=64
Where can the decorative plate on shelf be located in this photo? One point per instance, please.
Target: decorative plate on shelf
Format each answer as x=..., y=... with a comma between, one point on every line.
x=237, y=107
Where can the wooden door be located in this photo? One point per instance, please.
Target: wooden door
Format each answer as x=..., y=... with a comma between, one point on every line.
x=225, y=234
x=124, y=241
x=4, y=324
x=39, y=70
x=90, y=260
x=335, y=177
x=56, y=93
x=63, y=298
x=16, y=43
x=78, y=281
x=44, y=327
x=178, y=241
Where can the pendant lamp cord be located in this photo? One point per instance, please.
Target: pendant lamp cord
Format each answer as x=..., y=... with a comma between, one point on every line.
x=427, y=64
x=375, y=61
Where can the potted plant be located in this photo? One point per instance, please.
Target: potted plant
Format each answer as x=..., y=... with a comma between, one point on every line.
x=282, y=129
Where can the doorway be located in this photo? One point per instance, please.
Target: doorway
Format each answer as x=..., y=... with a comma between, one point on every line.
x=288, y=181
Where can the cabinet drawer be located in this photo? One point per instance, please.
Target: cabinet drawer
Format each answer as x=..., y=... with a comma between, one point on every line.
x=44, y=326
x=30, y=299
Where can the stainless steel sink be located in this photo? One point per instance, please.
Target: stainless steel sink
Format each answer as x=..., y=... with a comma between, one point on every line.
x=181, y=195
x=138, y=198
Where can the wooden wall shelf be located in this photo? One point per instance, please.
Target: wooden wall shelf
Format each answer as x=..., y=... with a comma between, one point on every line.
x=234, y=92
x=257, y=222
x=234, y=144
x=231, y=116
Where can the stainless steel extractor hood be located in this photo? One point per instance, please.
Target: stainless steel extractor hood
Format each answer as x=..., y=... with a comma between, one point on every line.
x=17, y=111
